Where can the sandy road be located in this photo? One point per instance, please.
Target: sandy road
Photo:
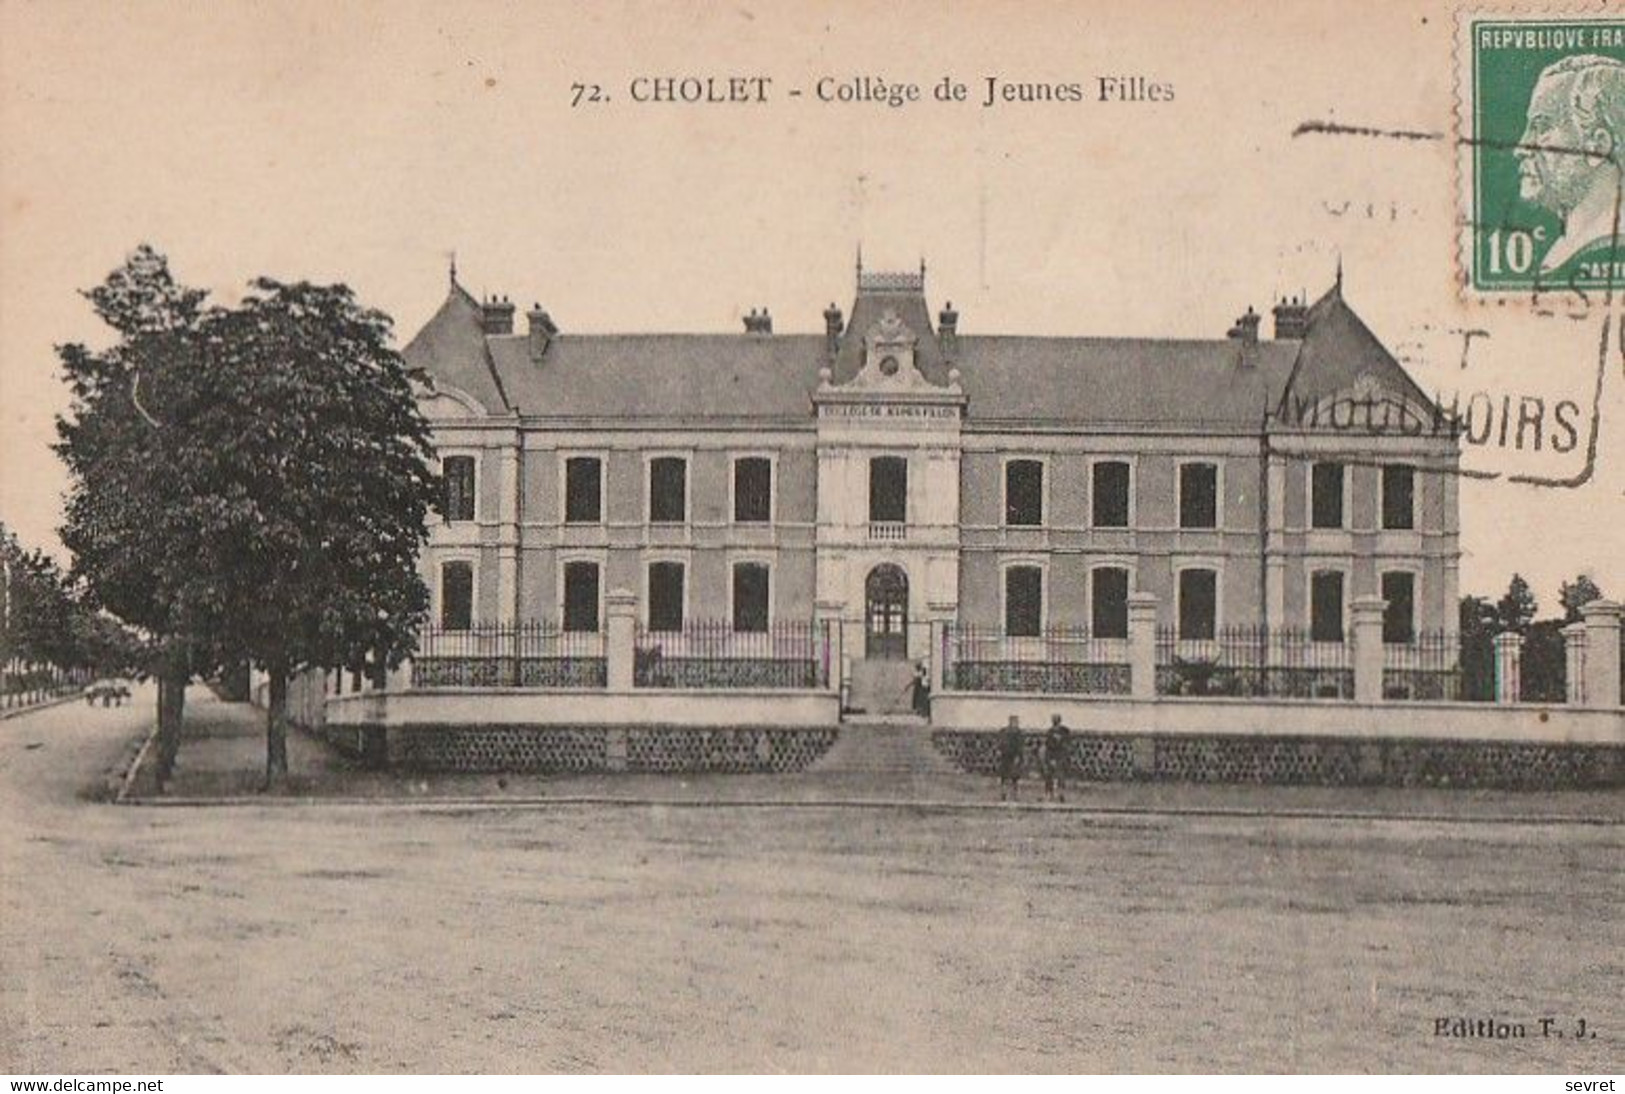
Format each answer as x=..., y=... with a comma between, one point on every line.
x=378, y=938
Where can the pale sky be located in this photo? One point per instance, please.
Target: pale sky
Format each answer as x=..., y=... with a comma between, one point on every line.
x=362, y=142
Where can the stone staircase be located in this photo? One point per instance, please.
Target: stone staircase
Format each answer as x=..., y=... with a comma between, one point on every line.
x=898, y=744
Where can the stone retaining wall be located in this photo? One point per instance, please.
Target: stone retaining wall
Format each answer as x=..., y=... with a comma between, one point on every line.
x=1319, y=761
x=586, y=749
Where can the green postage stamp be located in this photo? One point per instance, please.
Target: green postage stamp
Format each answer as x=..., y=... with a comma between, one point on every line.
x=1541, y=139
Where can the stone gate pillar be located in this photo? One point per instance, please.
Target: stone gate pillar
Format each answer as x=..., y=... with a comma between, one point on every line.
x=621, y=618
x=1574, y=664
x=1142, y=645
x=1365, y=618
x=1602, y=625
x=1508, y=666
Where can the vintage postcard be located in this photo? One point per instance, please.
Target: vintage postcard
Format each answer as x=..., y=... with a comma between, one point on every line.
x=902, y=537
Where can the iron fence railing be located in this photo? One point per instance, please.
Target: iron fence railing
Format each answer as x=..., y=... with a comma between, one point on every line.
x=1255, y=661
x=537, y=654
x=1428, y=668
x=1059, y=660
x=710, y=653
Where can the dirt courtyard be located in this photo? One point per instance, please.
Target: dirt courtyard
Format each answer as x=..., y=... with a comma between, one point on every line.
x=613, y=937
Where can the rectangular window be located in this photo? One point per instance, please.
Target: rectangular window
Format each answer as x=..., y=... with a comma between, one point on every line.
x=888, y=490
x=1198, y=604
x=1399, y=613
x=583, y=490
x=1111, y=495
x=750, y=597
x=1024, y=493
x=668, y=490
x=458, y=473
x=1326, y=495
x=456, y=595
x=581, y=583
x=1399, y=496
x=665, y=596
x=1198, y=495
x=1109, y=602
x=1326, y=606
x=753, y=490
x=1023, y=601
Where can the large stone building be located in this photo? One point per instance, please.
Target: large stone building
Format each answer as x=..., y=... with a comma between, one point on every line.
x=894, y=471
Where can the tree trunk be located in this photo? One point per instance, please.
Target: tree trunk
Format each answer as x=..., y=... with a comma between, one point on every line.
x=276, y=729
x=172, y=677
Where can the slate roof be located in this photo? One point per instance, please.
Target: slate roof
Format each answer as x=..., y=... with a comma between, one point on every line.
x=1094, y=383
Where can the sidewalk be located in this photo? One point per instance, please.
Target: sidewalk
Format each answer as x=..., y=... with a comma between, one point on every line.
x=222, y=760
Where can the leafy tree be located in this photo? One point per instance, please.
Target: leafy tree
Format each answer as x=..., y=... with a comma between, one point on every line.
x=1477, y=622
x=132, y=506
x=1517, y=607
x=1575, y=594
x=281, y=472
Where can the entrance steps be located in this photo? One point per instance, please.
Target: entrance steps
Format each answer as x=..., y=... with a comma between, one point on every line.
x=881, y=687
x=898, y=745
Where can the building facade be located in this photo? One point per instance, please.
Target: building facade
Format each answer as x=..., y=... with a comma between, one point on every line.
x=892, y=473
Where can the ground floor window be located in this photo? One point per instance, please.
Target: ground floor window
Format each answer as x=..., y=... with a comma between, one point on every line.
x=1109, y=602
x=1023, y=601
x=666, y=596
x=1198, y=604
x=456, y=595
x=1399, y=611
x=1326, y=606
x=750, y=597
x=581, y=584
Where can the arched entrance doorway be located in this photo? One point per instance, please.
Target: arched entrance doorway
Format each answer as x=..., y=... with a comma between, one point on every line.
x=885, y=613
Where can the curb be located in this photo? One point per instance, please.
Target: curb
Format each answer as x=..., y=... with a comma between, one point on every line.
x=127, y=780
x=457, y=805
x=18, y=712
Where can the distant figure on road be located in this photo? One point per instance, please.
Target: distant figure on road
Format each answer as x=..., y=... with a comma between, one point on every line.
x=1012, y=757
x=1057, y=759
x=920, y=691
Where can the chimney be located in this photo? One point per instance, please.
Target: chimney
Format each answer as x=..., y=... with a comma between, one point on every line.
x=758, y=322
x=832, y=328
x=1246, y=328
x=948, y=329
x=1291, y=318
x=542, y=331
x=496, y=315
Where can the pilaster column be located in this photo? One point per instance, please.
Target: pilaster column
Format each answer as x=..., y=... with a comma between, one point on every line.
x=827, y=614
x=1142, y=645
x=1365, y=615
x=1508, y=666
x=621, y=618
x=1602, y=624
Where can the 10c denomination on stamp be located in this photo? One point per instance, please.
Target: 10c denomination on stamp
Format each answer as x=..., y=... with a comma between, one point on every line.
x=1541, y=139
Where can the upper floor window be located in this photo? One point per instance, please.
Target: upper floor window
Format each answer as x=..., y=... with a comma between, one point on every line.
x=750, y=597
x=1399, y=611
x=456, y=595
x=1326, y=606
x=1326, y=495
x=1023, y=601
x=458, y=474
x=1108, y=597
x=1198, y=495
x=888, y=490
x=1399, y=496
x=1024, y=493
x=581, y=587
x=1198, y=604
x=668, y=490
x=583, y=490
x=1111, y=494
x=753, y=490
